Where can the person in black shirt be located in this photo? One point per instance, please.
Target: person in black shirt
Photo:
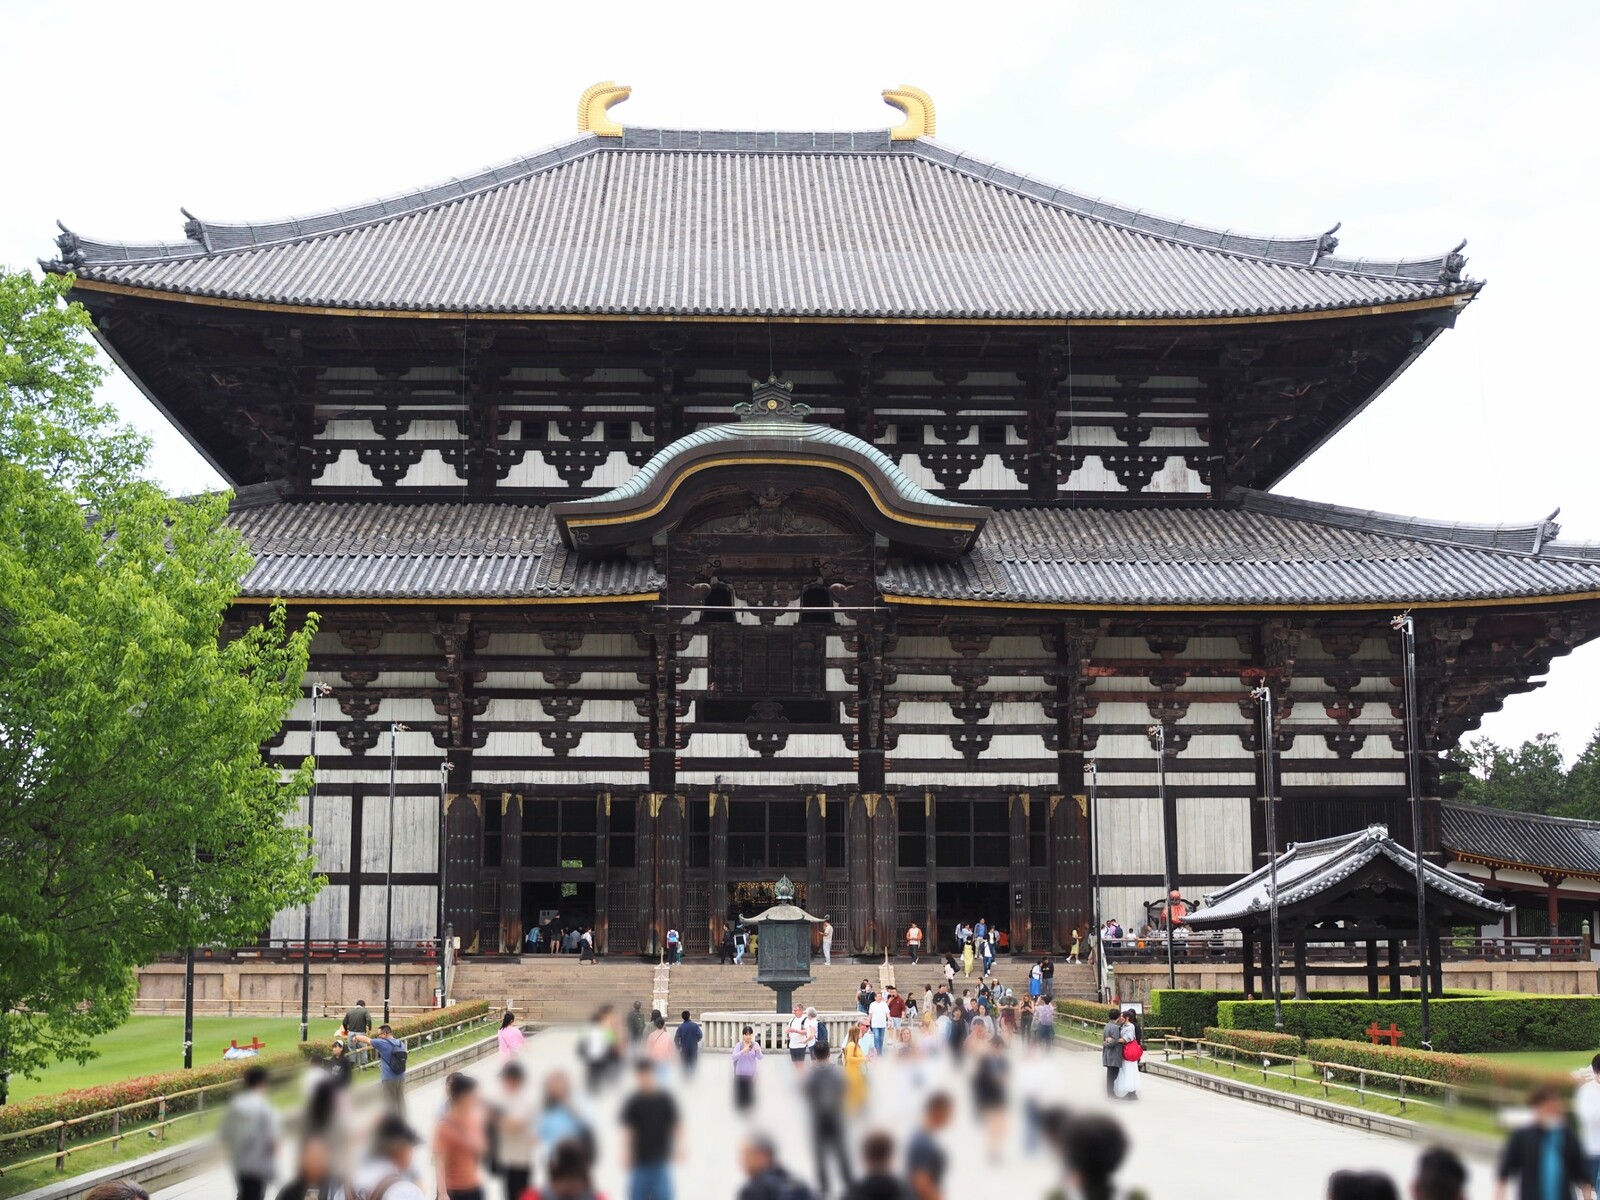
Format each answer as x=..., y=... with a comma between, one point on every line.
x=650, y=1119
x=879, y=1183
x=925, y=1158
x=989, y=1090
x=1092, y=1149
x=1544, y=1149
x=1441, y=1175
x=767, y=1178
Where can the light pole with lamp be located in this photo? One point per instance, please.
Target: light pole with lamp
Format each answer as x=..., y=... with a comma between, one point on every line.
x=1406, y=628
x=388, y=880
x=1263, y=696
x=1158, y=731
x=318, y=689
x=1094, y=870
x=444, y=782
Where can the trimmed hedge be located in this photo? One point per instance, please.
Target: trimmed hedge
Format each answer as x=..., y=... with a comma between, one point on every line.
x=1462, y=1070
x=145, y=1090
x=1193, y=1010
x=1089, y=1010
x=1459, y=1025
x=1255, y=1042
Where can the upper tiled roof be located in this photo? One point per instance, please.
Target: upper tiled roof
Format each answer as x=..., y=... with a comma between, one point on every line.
x=1308, y=869
x=798, y=224
x=1539, y=842
x=1255, y=549
x=350, y=550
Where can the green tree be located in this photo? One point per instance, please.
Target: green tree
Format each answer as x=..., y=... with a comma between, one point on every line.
x=1531, y=778
x=1583, y=783
x=137, y=813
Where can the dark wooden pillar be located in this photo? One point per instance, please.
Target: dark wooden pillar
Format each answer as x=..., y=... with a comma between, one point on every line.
x=1065, y=818
x=463, y=866
x=1372, y=968
x=717, y=905
x=858, y=860
x=930, y=927
x=1552, y=900
x=672, y=828
x=816, y=858
x=885, y=822
x=1394, y=966
x=1247, y=949
x=1069, y=825
x=602, y=871
x=1301, y=990
x=1018, y=876
x=646, y=855
x=510, y=872
x=1435, y=962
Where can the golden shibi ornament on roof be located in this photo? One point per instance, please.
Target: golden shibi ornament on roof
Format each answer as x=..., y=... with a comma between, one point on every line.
x=594, y=110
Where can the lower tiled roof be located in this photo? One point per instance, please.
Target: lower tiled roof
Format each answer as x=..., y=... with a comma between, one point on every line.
x=1255, y=549
x=1553, y=843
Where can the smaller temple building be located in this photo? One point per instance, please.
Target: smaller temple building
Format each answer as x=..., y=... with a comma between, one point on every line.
x=1546, y=870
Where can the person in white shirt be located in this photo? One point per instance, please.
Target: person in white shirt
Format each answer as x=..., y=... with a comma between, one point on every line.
x=827, y=943
x=802, y=1036
x=1586, y=1108
x=878, y=1021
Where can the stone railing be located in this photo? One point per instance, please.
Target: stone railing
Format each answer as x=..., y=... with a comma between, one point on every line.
x=722, y=1029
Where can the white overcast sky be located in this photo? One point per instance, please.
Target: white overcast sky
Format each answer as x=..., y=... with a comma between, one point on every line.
x=1415, y=124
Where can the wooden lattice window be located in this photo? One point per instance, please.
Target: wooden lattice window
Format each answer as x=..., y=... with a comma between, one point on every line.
x=622, y=933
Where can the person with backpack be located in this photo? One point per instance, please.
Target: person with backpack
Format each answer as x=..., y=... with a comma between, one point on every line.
x=392, y=1055
x=388, y=1174
x=674, y=947
x=767, y=1178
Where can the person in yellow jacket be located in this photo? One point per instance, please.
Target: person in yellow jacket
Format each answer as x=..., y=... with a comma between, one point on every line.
x=855, y=1071
x=966, y=959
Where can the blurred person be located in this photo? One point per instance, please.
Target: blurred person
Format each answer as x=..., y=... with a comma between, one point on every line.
x=687, y=1039
x=511, y=1038
x=313, y=1175
x=991, y=1092
x=966, y=958
x=765, y=1177
x=116, y=1189
x=559, y=1122
x=1441, y=1175
x=855, y=1071
x=389, y=1172
x=926, y=1160
x=824, y=1088
x=1586, y=1108
x=460, y=1140
x=1110, y=1049
x=802, y=1034
x=1047, y=978
x=658, y=1046
x=637, y=1024
x=650, y=1124
x=569, y=1175
x=392, y=1058
x=1362, y=1185
x=516, y=1131
x=1044, y=1022
x=878, y=1021
x=827, y=943
x=1034, y=1081
x=864, y=995
x=250, y=1134
x=928, y=994
x=949, y=970
x=747, y=1057
x=914, y=941
x=1128, y=1077
x=956, y=1037
x=878, y=1181
x=1545, y=1156
x=1092, y=1149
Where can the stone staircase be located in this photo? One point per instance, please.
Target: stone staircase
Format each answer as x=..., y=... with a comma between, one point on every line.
x=557, y=989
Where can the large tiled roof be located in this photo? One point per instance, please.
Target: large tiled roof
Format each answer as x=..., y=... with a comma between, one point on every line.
x=1309, y=869
x=1539, y=842
x=349, y=550
x=806, y=224
x=1254, y=549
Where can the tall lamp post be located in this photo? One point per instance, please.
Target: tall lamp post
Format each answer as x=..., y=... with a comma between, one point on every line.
x=1263, y=696
x=388, y=880
x=1403, y=625
x=1158, y=731
x=188, y=1007
x=444, y=782
x=1094, y=870
x=318, y=689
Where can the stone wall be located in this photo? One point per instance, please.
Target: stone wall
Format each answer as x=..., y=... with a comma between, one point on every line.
x=261, y=987
x=1134, y=982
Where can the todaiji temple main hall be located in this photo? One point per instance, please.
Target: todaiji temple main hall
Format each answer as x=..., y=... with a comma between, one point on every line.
x=721, y=505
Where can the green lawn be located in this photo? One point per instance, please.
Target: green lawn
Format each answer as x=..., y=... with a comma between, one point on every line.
x=148, y=1045
x=1555, y=1060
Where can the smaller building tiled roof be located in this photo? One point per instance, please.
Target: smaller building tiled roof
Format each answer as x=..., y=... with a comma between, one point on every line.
x=1556, y=845
x=1307, y=870
x=353, y=550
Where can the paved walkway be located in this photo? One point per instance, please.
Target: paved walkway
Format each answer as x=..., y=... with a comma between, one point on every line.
x=1186, y=1143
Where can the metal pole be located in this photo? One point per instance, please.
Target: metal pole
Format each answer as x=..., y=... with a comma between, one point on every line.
x=1408, y=649
x=1094, y=869
x=444, y=781
x=1269, y=786
x=188, y=1008
x=388, y=881
x=1159, y=732
x=317, y=689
